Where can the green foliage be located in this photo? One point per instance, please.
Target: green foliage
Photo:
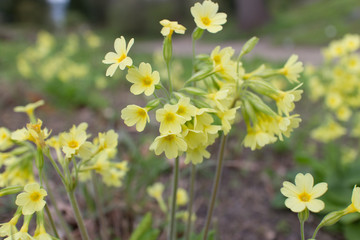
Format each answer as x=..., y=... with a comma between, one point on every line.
x=144, y=230
x=307, y=23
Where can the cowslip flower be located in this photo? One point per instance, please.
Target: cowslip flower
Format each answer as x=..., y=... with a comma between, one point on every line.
x=32, y=200
x=135, y=115
x=156, y=190
x=171, y=26
x=355, y=201
x=169, y=143
x=119, y=58
x=181, y=197
x=32, y=132
x=292, y=69
x=303, y=194
x=5, y=139
x=206, y=16
x=143, y=79
x=29, y=109
x=72, y=141
x=169, y=120
x=186, y=109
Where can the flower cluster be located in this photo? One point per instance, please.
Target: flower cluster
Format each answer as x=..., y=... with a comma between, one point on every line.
x=191, y=115
x=17, y=155
x=337, y=84
x=29, y=202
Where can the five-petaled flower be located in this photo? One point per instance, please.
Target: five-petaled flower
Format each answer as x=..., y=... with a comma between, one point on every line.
x=303, y=194
x=120, y=57
x=206, y=16
x=32, y=200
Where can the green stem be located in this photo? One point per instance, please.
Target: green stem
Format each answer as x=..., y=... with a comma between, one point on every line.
x=48, y=213
x=215, y=185
x=169, y=77
x=172, y=231
x=191, y=201
x=79, y=219
x=99, y=207
x=316, y=231
x=302, y=230
x=58, y=213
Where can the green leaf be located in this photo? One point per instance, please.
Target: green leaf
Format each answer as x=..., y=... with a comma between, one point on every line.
x=142, y=228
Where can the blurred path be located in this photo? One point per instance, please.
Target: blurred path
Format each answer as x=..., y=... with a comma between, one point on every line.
x=264, y=49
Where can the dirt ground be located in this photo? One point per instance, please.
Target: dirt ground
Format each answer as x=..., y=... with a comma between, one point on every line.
x=244, y=210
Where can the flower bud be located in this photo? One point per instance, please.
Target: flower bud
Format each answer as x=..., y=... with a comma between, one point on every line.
x=249, y=46
x=304, y=215
x=10, y=190
x=197, y=33
x=153, y=104
x=332, y=218
x=194, y=90
x=167, y=49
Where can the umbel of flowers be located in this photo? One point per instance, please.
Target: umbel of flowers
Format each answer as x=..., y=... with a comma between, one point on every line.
x=75, y=159
x=337, y=83
x=192, y=117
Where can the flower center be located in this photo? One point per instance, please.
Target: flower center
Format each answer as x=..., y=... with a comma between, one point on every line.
x=35, y=196
x=169, y=117
x=217, y=59
x=3, y=136
x=147, y=81
x=169, y=138
x=141, y=113
x=206, y=21
x=122, y=57
x=181, y=110
x=304, y=197
x=73, y=144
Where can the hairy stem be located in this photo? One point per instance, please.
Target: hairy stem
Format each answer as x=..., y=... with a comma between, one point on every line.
x=191, y=201
x=172, y=230
x=215, y=186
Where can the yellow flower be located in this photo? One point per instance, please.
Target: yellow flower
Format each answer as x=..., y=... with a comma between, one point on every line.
x=181, y=197
x=20, y=236
x=113, y=177
x=108, y=140
x=133, y=114
x=285, y=100
x=171, y=26
x=343, y=113
x=156, y=190
x=329, y=131
x=257, y=138
x=32, y=199
x=355, y=201
x=185, y=108
x=292, y=69
x=5, y=139
x=9, y=228
x=170, y=121
x=32, y=132
x=143, y=79
x=351, y=42
x=196, y=155
x=29, y=109
x=227, y=118
x=119, y=58
x=73, y=140
x=303, y=194
x=333, y=100
x=169, y=143
x=206, y=16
